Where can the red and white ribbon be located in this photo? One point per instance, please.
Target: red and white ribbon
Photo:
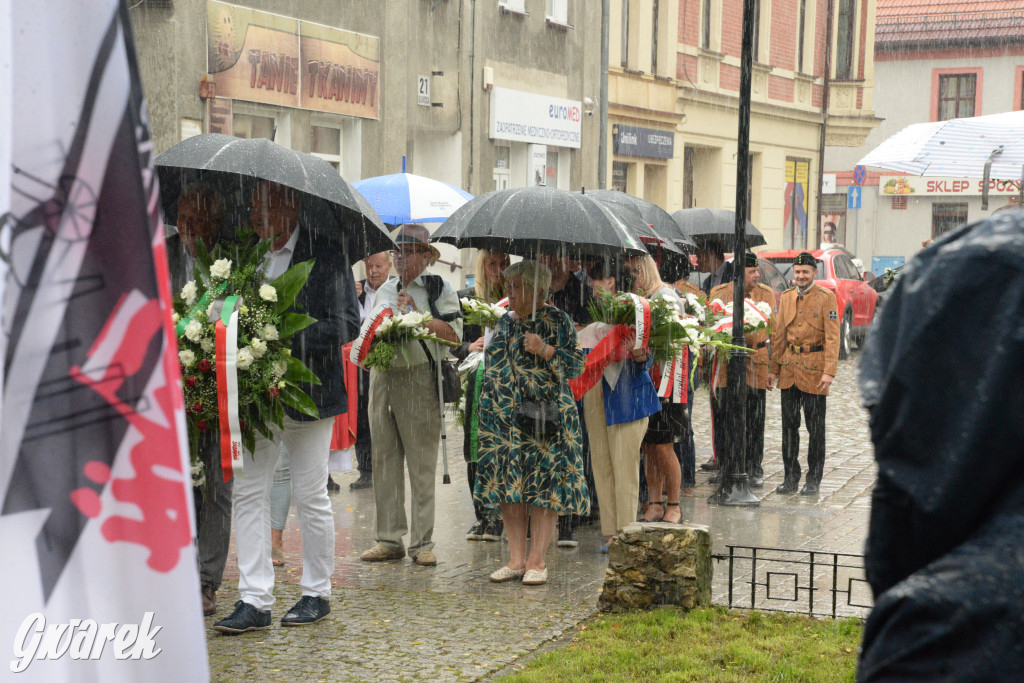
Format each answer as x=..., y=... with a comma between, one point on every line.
x=613, y=347
x=674, y=382
x=230, y=427
x=502, y=303
x=642, y=318
x=362, y=345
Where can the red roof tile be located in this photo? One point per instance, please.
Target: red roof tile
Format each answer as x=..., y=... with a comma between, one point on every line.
x=913, y=21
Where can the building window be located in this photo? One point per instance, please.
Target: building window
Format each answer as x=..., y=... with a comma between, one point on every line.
x=956, y=96
x=654, y=36
x=325, y=142
x=800, y=36
x=946, y=217
x=705, y=26
x=845, y=32
x=516, y=6
x=557, y=12
x=245, y=126
x=757, y=31
x=625, y=34
x=620, y=171
x=899, y=203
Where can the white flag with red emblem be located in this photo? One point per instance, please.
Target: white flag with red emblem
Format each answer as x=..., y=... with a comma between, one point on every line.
x=96, y=524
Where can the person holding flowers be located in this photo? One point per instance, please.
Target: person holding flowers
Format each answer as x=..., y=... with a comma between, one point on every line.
x=329, y=298
x=405, y=422
x=757, y=372
x=530, y=468
x=488, y=288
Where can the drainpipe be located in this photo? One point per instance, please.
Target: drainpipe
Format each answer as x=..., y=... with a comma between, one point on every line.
x=602, y=146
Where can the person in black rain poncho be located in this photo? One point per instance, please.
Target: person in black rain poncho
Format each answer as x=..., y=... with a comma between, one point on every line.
x=943, y=378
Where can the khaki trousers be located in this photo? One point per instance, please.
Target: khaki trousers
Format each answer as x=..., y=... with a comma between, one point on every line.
x=405, y=427
x=615, y=457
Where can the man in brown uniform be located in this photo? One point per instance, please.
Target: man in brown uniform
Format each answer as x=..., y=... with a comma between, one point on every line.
x=805, y=350
x=757, y=374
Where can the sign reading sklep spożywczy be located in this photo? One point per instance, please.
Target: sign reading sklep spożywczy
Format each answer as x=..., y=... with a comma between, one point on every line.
x=917, y=185
x=528, y=117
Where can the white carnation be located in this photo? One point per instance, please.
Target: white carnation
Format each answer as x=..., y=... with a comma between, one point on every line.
x=187, y=358
x=268, y=293
x=188, y=292
x=206, y=344
x=244, y=358
x=193, y=330
x=270, y=332
x=280, y=367
x=258, y=346
x=221, y=269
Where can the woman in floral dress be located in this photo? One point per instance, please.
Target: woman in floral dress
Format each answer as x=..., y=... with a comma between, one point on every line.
x=531, y=481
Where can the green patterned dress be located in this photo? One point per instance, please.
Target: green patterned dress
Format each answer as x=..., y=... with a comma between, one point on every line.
x=513, y=468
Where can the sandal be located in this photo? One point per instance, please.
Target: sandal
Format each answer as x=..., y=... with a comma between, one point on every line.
x=672, y=505
x=643, y=517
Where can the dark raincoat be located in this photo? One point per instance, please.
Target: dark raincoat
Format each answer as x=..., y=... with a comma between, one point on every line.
x=943, y=377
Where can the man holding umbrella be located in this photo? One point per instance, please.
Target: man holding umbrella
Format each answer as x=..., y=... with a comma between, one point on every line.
x=329, y=296
x=404, y=423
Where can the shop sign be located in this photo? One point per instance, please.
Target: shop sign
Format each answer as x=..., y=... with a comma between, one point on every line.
x=262, y=57
x=528, y=117
x=903, y=185
x=634, y=141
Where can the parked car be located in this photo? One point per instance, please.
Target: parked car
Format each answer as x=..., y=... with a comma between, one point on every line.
x=856, y=299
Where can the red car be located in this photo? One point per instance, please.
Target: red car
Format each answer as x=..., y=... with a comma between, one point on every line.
x=836, y=272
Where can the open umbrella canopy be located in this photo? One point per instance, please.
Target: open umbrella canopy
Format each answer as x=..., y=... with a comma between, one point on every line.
x=234, y=165
x=532, y=220
x=660, y=223
x=956, y=148
x=715, y=226
x=407, y=198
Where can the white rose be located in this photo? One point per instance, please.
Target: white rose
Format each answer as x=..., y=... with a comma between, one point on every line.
x=270, y=332
x=244, y=358
x=188, y=292
x=193, y=330
x=206, y=344
x=258, y=346
x=268, y=293
x=187, y=358
x=220, y=269
x=280, y=367
x=175, y=318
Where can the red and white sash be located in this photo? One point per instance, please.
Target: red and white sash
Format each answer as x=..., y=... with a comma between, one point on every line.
x=362, y=345
x=226, y=339
x=612, y=348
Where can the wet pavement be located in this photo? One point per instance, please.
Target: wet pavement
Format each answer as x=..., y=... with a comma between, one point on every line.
x=397, y=621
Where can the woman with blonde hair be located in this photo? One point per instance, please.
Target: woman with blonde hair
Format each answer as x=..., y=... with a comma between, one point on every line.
x=667, y=426
x=488, y=285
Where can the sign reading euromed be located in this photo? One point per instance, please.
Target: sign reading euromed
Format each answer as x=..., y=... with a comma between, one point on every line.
x=528, y=117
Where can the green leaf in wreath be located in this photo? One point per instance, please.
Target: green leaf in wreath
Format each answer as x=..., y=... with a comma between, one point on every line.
x=299, y=400
x=292, y=323
x=298, y=372
x=289, y=283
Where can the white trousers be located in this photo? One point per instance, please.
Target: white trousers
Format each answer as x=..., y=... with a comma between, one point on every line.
x=307, y=447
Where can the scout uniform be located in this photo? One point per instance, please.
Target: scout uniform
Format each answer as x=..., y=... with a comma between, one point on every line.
x=757, y=378
x=686, y=287
x=805, y=345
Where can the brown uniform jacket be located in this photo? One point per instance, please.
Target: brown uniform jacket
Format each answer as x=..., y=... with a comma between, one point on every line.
x=685, y=286
x=757, y=363
x=804, y=322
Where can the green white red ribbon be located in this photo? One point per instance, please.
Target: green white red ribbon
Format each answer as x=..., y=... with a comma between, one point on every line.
x=227, y=388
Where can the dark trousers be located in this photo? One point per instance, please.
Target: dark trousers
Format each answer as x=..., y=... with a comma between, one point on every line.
x=214, y=517
x=814, y=414
x=573, y=521
x=364, y=447
x=686, y=450
x=755, y=409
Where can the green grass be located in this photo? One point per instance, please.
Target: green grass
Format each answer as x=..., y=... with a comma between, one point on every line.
x=712, y=644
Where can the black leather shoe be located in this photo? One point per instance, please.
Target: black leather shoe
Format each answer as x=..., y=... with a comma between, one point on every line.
x=713, y=479
x=786, y=487
x=756, y=482
x=332, y=485
x=364, y=481
x=244, y=618
x=710, y=466
x=308, y=610
x=810, y=488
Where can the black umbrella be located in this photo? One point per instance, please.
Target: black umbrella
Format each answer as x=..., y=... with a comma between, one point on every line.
x=660, y=223
x=715, y=227
x=531, y=220
x=234, y=165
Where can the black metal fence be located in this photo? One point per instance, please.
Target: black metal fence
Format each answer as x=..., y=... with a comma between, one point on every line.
x=806, y=581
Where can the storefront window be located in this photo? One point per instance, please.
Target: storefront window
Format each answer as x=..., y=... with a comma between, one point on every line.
x=325, y=142
x=946, y=217
x=248, y=126
x=619, y=169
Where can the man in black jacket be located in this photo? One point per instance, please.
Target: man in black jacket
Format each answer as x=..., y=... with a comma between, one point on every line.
x=330, y=297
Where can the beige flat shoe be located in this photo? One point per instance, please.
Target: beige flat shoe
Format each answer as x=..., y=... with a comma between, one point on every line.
x=277, y=557
x=505, y=574
x=535, y=578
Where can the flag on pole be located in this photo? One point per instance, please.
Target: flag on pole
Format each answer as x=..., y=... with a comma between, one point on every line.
x=96, y=524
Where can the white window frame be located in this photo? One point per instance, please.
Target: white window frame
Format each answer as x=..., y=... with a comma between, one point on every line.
x=514, y=7
x=556, y=13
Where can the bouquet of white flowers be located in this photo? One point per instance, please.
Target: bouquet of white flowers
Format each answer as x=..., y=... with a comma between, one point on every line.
x=756, y=315
x=394, y=332
x=479, y=312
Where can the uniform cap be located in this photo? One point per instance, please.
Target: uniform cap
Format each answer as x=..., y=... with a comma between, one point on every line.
x=750, y=260
x=806, y=259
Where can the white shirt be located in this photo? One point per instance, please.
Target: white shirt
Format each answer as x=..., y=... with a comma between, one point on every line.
x=369, y=297
x=278, y=261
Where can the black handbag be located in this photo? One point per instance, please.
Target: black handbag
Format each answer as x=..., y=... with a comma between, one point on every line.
x=538, y=419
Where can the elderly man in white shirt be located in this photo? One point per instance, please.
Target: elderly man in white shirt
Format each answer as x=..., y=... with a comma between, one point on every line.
x=405, y=422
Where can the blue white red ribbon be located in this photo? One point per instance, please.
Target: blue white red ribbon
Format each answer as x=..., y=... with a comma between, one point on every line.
x=227, y=388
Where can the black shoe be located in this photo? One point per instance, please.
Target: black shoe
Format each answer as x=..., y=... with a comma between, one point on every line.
x=567, y=536
x=492, y=531
x=308, y=610
x=244, y=618
x=713, y=479
x=710, y=466
x=756, y=482
x=476, y=532
x=810, y=488
x=332, y=485
x=786, y=487
x=364, y=481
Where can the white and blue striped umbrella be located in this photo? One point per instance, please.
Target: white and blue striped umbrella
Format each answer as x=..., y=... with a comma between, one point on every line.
x=406, y=198
x=957, y=148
